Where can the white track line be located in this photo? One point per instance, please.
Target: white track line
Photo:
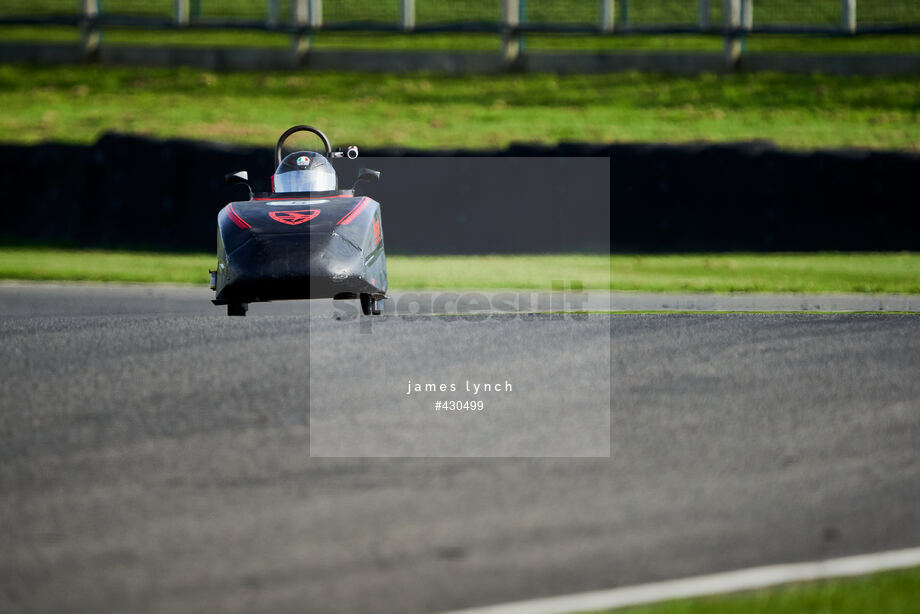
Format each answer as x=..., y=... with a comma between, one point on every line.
x=714, y=584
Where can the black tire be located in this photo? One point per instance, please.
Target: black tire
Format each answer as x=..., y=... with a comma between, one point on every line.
x=237, y=309
x=376, y=306
x=366, y=304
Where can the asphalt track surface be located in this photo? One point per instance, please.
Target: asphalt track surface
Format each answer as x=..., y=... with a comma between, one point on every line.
x=155, y=458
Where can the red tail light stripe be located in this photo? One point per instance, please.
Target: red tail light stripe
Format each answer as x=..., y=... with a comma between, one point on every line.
x=355, y=211
x=236, y=218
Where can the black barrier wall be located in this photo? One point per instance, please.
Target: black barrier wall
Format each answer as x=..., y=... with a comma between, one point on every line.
x=133, y=192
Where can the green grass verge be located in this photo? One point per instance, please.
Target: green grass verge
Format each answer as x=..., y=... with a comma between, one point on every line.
x=78, y=103
x=53, y=264
x=821, y=272
x=891, y=592
x=813, y=272
x=738, y=312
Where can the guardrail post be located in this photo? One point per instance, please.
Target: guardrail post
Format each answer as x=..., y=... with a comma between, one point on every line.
x=306, y=13
x=273, y=14
x=511, y=41
x=608, y=16
x=89, y=31
x=705, y=15
x=182, y=12
x=316, y=13
x=849, y=16
x=407, y=15
x=747, y=14
x=300, y=19
x=731, y=10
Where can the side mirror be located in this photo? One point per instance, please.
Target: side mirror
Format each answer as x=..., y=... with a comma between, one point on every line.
x=235, y=178
x=239, y=178
x=367, y=174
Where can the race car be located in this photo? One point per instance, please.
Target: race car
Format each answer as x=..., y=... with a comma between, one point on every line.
x=305, y=239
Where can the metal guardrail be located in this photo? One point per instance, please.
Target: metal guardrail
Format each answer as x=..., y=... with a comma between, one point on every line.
x=729, y=19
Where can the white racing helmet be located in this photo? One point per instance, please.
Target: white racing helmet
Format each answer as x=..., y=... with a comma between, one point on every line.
x=304, y=171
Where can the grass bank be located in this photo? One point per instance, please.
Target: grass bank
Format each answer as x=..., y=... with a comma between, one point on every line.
x=820, y=272
x=79, y=103
x=892, y=592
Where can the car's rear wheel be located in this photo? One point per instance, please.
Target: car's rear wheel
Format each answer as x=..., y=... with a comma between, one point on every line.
x=237, y=309
x=376, y=306
x=366, y=304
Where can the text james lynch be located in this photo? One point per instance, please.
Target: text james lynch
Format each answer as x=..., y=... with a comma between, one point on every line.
x=473, y=387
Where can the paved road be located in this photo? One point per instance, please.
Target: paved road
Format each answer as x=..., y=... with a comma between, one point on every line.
x=29, y=298
x=154, y=457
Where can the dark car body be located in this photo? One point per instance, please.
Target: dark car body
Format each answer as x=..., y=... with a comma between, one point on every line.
x=300, y=246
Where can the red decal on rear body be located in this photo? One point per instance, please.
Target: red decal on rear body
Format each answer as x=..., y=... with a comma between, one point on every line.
x=233, y=215
x=292, y=218
x=355, y=211
x=376, y=230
